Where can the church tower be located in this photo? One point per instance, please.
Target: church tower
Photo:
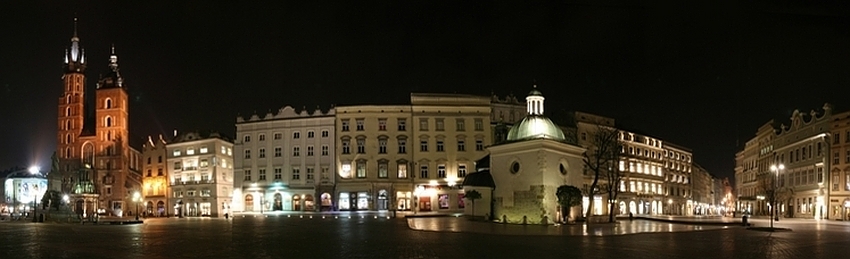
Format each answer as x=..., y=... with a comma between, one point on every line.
x=71, y=111
x=111, y=117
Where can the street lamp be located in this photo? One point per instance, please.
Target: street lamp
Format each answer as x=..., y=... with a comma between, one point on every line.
x=34, y=170
x=136, y=198
x=65, y=198
x=774, y=214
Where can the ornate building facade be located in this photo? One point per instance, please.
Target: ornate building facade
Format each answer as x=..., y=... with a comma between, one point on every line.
x=98, y=167
x=155, y=177
x=201, y=176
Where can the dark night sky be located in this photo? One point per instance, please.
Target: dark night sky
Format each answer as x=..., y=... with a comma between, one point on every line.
x=704, y=76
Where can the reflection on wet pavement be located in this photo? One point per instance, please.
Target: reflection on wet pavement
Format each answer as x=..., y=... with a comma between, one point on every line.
x=452, y=224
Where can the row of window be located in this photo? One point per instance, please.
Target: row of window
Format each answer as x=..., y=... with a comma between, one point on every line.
x=836, y=181
x=402, y=146
x=192, y=164
x=801, y=177
x=401, y=124
x=277, y=135
x=278, y=152
x=360, y=170
x=192, y=193
x=294, y=173
x=203, y=150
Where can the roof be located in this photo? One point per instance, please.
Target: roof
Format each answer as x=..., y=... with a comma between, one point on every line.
x=482, y=179
x=25, y=174
x=535, y=127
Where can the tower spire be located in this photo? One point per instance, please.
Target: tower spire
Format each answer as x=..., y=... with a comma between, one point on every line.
x=75, y=56
x=75, y=27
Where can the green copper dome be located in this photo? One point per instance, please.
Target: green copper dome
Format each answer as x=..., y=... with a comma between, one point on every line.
x=535, y=127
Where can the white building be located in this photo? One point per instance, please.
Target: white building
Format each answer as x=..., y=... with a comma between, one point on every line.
x=285, y=161
x=201, y=176
x=528, y=168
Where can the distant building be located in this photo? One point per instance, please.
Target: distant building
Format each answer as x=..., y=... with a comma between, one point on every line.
x=839, y=172
x=285, y=161
x=201, y=174
x=21, y=188
x=155, y=180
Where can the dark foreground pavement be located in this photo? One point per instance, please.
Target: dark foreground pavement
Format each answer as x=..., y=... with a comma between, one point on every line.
x=379, y=237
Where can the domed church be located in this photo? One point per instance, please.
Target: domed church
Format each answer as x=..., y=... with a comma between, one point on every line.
x=526, y=171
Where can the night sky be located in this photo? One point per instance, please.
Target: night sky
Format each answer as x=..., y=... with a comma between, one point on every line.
x=703, y=76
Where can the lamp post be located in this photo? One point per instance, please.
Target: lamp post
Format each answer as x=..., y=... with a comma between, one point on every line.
x=34, y=170
x=65, y=198
x=136, y=198
x=774, y=214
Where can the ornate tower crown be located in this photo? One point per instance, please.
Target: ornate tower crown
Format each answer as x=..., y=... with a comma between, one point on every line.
x=75, y=56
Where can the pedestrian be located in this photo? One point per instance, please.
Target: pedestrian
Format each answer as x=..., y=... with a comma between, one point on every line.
x=631, y=216
x=226, y=216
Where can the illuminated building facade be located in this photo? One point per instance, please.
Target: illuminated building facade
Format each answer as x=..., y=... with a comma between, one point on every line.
x=678, y=170
x=99, y=169
x=285, y=161
x=155, y=177
x=375, y=157
x=800, y=153
x=200, y=174
x=839, y=172
x=21, y=188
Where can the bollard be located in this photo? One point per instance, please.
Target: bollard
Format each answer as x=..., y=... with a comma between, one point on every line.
x=505, y=219
x=524, y=219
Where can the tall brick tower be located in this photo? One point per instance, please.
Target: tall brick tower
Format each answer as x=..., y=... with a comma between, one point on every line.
x=97, y=166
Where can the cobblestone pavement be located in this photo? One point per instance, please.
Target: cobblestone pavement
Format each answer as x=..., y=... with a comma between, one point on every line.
x=379, y=237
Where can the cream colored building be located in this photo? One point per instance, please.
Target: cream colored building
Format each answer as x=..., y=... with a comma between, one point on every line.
x=200, y=174
x=450, y=133
x=285, y=161
x=839, y=180
x=155, y=177
x=678, y=169
x=374, y=157
x=702, y=190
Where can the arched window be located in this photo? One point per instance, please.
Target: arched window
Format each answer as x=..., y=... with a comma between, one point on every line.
x=108, y=103
x=67, y=111
x=68, y=139
x=67, y=124
x=68, y=99
x=107, y=121
x=67, y=152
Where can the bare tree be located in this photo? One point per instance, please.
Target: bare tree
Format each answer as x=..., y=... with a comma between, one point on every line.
x=613, y=174
x=601, y=160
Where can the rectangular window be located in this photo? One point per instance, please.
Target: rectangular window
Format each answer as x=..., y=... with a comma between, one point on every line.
x=309, y=150
x=346, y=147
x=247, y=175
x=223, y=150
x=402, y=170
x=461, y=170
x=262, y=137
x=360, y=125
x=205, y=193
x=402, y=124
x=423, y=124
x=262, y=174
x=278, y=152
x=326, y=172
x=344, y=124
x=402, y=146
x=345, y=170
x=441, y=171
x=847, y=181
x=324, y=150
x=423, y=172
x=820, y=149
x=247, y=153
x=296, y=173
x=460, y=125
x=246, y=138
x=204, y=163
x=479, y=124
x=311, y=134
x=836, y=158
x=178, y=166
x=296, y=135
x=361, y=169
x=278, y=136
x=461, y=146
x=382, y=124
x=278, y=172
x=440, y=147
x=262, y=152
x=479, y=145
x=382, y=169
x=204, y=150
x=361, y=146
x=159, y=171
x=440, y=125
x=310, y=171
x=423, y=145
x=847, y=157
x=837, y=138
x=296, y=151
x=382, y=146
x=444, y=201
x=177, y=152
x=325, y=133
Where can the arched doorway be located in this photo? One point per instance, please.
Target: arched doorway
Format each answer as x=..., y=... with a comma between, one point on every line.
x=326, y=201
x=278, y=202
x=309, y=203
x=622, y=208
x=632, y=207
x=654, y=207
x=78, y=207
x=249, y=202
x=383, y=202
x=296, y=202
x=149, y=208
x=160, y=208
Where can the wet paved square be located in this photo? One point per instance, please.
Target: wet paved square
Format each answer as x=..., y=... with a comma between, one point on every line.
x=370, y=237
